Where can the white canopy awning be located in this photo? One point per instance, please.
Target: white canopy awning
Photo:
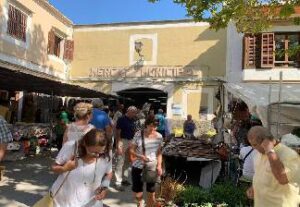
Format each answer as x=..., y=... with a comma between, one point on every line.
x=259, y=97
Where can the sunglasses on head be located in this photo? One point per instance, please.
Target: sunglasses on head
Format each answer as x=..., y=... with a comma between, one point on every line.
x=154, y=124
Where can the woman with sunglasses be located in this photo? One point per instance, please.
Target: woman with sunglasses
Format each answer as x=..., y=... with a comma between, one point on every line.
x=87, y=183
x=151, y=154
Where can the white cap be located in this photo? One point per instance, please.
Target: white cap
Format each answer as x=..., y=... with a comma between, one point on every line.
x=97, y=103
x=132, y=108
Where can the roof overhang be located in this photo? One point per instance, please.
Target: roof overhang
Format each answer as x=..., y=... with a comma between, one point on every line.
x=20, y=79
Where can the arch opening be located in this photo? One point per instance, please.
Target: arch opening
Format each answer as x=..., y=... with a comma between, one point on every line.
x=139, y=96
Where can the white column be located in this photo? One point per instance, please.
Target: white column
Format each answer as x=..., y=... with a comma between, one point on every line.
x=20, y=105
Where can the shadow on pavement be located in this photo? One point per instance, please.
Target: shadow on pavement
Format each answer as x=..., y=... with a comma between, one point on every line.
x=25, y=181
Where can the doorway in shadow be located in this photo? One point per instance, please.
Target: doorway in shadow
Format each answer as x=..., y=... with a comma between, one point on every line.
x=139, y=96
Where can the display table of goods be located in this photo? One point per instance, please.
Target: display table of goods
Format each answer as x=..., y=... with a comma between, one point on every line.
x=182, y=147
x=29, y=136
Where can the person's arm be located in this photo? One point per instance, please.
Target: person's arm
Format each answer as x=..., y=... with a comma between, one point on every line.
x=108, y=131
x=101, y=192
x=250, y=193
x=68, y=166
x=65, y=137
x=184, y=126
x=108, y=126
x=132, y=151
x=277, y=166
x=159, y=161
x=65, y=160
x=119, y=142
x=194, y=125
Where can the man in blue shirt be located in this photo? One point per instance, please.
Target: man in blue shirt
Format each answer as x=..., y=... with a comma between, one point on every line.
x=100, y=119
x=161, y=128
x=189, y=126
x=125, y=131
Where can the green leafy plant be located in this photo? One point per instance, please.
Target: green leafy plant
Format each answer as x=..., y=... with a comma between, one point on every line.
x=229, y=194
x=193, y=194
x=251, y=16
x=220, y=195
x=297, y=20
x=292, y=51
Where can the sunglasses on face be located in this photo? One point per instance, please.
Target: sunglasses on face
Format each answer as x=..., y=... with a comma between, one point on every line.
x=96, y=154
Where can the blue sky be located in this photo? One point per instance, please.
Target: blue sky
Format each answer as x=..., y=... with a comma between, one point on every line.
x=112, y=11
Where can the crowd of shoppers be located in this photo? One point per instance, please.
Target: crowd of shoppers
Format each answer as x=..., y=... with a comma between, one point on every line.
x=84, y=162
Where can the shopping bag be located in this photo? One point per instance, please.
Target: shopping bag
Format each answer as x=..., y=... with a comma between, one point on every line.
x=46, y=201
x=149, y=174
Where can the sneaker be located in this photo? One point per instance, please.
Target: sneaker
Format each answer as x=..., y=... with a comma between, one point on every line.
x=126, y=183
x=119, y=188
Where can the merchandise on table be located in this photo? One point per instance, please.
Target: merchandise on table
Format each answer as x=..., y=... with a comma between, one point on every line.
x=30, y=137
x=189, y=148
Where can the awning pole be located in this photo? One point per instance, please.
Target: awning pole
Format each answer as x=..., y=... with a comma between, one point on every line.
x=269, y=105
x=51, y=115
x=279, y=101
x=20, y=105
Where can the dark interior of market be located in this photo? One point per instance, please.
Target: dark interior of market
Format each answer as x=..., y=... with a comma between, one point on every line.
x=139, y=96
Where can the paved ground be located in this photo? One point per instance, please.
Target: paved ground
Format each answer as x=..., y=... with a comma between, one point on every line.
x=27, y=180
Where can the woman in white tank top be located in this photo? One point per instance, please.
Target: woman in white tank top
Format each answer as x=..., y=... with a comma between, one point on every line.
x=83, y=115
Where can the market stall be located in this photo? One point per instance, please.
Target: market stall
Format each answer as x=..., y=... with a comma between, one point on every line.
x=29, y=139
x=179, y=151
x=263, y=101
x=276, y=105
x=39, y=100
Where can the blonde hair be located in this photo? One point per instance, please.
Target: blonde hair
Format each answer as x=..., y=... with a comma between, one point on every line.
x=82, y=110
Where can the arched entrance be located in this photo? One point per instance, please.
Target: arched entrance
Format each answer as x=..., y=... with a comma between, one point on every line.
x=139, y=96
x=157, y=88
